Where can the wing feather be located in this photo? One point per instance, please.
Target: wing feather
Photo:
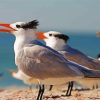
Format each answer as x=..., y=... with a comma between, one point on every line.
x=40, y=62
x=82, y=60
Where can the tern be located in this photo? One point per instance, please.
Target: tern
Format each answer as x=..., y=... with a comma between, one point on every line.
x=58, y=41
x=40, y=64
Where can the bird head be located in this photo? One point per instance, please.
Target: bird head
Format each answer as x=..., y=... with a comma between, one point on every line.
x=20, y=28
x=53, y=39
x=52, y=36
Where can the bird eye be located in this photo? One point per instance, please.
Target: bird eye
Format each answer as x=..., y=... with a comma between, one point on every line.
x=50, y=34
x=18, y=26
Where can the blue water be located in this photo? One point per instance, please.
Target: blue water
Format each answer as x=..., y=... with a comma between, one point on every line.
x=85, y=42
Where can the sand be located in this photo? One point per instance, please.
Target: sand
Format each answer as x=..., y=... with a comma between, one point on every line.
x=15, y=93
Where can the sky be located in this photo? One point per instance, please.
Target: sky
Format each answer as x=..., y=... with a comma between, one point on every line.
x=74, y=15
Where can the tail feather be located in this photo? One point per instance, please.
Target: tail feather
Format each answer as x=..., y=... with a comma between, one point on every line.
x=90, y=73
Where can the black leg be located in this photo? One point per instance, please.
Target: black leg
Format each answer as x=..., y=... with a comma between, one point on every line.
x=71, y=88
x=39, y=93
x=51, y=86
x=42, y=91
x=68, y=89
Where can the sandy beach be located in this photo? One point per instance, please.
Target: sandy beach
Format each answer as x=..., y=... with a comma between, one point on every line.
x=16, y=93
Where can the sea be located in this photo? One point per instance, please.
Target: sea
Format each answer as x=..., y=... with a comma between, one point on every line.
x=86, y=42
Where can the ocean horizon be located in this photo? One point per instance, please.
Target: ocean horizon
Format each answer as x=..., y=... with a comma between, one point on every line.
x=84, y=41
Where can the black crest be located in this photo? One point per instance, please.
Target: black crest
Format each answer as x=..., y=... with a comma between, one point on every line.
x=30, y=25
x=62, y=36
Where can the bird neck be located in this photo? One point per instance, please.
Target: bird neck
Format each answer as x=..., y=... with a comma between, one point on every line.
x=20, y=43
x=57, y=45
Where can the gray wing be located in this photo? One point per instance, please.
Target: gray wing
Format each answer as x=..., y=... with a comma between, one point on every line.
x=82, y=60
x=40, y=62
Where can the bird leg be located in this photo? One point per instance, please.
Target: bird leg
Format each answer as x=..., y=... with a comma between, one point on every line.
x=69, y=90
x=40, y=93
x=95, y=86
x=51, y=86
x=71, y=87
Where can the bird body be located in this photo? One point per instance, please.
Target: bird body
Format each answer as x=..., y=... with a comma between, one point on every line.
x=58, y=43
x=44, y=65
x=79, y=57
x=68, y=52
x=38, y=62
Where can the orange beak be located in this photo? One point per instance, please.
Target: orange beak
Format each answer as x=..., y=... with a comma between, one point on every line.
x=98, y=36
x=41, y=35
x=9, y=30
